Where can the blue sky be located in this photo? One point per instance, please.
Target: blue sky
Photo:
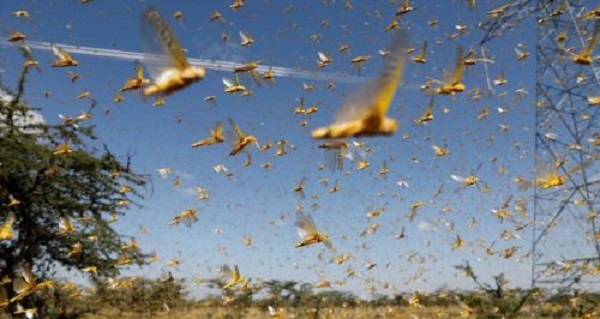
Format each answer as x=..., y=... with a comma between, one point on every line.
x=260, y=202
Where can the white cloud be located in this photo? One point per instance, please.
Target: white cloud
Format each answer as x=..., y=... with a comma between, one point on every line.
x=24, y=121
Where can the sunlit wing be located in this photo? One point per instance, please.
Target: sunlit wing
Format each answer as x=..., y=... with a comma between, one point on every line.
x=236, y=272
x=227, y=82
x=459, y=66
x=157, y=33
x=458, y=178
x=377, y=96
x=60, y=53
x=322, y=57
x=20, y=286
x=28, y=276
x=305, y=225
x=237, y=129
x=139, y=70
x=219, y=130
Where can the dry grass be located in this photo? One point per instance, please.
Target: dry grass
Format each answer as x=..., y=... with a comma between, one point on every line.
x=255, y=313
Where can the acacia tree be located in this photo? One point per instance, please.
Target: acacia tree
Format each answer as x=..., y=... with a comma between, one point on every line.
x=59, y=193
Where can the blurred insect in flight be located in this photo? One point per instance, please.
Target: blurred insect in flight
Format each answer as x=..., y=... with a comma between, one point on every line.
x=138, y=81
x=363, y=114
x=422, y=57
x=242, y=139
x=299, y=188
x=170, y=69
x=404, y=8
x=6, y=230
x=63, y=58
x=309, y=235
x=188, y=217
x=469, y=180
x=216, y=136
x=550, y=178
x=26, y=284
x=454, y=84
x=585, y=57
x=233, y=87
x=428, y=114
x=235, y=278
x=323, y=60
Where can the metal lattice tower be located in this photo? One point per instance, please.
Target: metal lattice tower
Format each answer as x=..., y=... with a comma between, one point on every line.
x=566, y=230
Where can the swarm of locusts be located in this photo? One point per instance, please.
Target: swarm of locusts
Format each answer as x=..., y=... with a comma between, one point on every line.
x=372, y=120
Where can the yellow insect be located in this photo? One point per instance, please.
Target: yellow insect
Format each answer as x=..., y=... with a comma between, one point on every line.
x=500, y=80
x=245, y=39
x=422, y=57
x=469, y=180
x=159, y=101
x=585, y=57
x=428, y=115
x=276, y=313
x=26, y=284
x=550, y=178
x=63, y=58
x=343, y=48
x=458, y=242
x=16, y=36
x=21, y=14
x=248, y=67
x=216, y=136
x=269, y=74
x=242, y=139
x=415, y=301
x=281, y=148
x=179, y=73
x=323, y=60
x=359, y=61
x=454, y=84
x=232, y=87
x=216, y=15
x=592, y=14
x=384, y=170
x=235, y=278
x=6, y=231
x=497, y=12
x=248, y=241
x=65, y=226
x=76, y=249
x=440, y=151
x=309, y=235
x=363, y=114
x=404, y=8
x=118, y=98
x=521, y=53
x=236, y=4
x=188, y=217
x=138, y=81
x=393, y=25
x=299, y=188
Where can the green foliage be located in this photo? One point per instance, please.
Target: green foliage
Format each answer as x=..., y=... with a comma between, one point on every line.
x=45, y=189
